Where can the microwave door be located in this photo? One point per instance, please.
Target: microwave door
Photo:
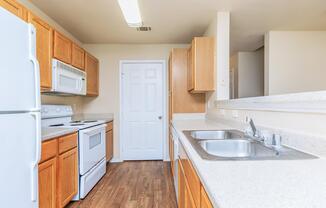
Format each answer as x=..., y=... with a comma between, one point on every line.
x=68, y=82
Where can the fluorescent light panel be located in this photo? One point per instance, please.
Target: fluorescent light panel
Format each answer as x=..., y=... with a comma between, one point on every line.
x=131, y=12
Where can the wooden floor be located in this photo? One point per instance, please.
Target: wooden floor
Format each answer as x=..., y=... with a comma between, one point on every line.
x=137, y=184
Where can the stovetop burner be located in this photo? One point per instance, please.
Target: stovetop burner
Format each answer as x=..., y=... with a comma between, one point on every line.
x=56, y=125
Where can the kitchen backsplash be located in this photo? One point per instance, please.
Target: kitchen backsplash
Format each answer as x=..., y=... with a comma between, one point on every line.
x=74, y=101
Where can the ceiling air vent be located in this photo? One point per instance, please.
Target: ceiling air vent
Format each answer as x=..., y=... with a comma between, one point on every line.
x=144, y=29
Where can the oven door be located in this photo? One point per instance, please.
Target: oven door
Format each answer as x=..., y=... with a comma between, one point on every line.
x=91, y=147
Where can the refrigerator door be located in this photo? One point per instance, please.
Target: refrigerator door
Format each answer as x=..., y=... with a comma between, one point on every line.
x=19, y=70
x=19, y=157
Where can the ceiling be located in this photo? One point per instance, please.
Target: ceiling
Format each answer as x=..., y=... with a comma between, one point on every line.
x=177, y=21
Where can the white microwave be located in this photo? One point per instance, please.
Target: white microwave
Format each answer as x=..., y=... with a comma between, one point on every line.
x=67, y=79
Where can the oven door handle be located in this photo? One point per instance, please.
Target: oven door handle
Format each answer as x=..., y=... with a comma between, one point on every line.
x=94, y=129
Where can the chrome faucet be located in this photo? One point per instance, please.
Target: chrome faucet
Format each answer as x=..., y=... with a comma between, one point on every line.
x=274, y=141
x=255, y=133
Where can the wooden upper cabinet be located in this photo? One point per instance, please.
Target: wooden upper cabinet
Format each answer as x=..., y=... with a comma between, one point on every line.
x=92, y=71
x=44, y=41
x=62, y=47
x=78, y=57
x=201, y=66
x=180, y=95
x=14, y=7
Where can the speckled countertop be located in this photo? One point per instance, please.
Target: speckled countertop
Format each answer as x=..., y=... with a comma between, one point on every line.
x=256, y=184
x=49, y=133
x=101, y=116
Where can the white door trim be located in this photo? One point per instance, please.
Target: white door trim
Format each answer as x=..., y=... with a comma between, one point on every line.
x=164, y=110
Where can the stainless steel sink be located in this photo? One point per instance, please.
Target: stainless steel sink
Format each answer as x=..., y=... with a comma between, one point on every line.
x=234, y=145
x=219, y=134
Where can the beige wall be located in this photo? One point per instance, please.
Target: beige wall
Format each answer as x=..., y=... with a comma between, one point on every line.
x=110, y=56
x=295, y=61
x=248, y=69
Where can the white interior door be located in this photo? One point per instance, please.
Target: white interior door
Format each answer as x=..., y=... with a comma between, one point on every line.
x=142, y=110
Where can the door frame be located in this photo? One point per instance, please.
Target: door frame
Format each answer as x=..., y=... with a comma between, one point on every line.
x=164, y=110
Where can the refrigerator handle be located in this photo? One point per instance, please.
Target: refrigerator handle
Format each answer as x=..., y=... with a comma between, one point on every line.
x=34, y=167
x=36, y=65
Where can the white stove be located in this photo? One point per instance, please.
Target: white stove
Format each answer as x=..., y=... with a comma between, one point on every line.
x=62, y=116
x=91, y=144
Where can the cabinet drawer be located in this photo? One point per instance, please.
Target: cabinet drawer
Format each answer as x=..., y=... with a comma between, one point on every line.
x=67, y=142
x=49, y=149
x=191, y=176
x=109, y=126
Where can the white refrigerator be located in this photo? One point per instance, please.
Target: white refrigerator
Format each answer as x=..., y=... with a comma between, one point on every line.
x=20, y=129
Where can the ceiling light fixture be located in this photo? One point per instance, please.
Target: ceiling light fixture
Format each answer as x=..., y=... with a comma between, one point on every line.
x=131, y=12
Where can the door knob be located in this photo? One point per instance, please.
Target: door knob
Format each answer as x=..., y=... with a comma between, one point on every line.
x=160, y=117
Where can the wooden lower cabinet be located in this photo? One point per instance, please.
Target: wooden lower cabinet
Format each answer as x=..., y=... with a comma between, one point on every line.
x=189, y=200
x=109, y=145
x=58, y=171
x=171, y=152
x=181, y=187
x=109, y=141
x=47, y=183
x=67, y=176
x=204, y=202
x=190, y=193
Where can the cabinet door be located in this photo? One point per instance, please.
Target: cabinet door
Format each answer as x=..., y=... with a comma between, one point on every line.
x=78, y=57
x=171, y=151
x=204, y=200
x=109, y=145
x=67, y=177
x=47, y=183
x=92, y=71
x=190, y=71
x=61, y=47
x=43, y=49
x=181, y=186
x=202, y=65
x=189, y=201
x=15, y=8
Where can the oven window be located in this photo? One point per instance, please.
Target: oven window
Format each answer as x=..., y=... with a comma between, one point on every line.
x=94, y=140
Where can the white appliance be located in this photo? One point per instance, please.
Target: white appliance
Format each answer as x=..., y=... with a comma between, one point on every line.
x=67, y=79
x=91, y=144
x=20, y=119
x=175, y=158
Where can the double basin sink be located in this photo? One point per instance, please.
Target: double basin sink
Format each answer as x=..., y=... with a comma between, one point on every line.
x=235, y=145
